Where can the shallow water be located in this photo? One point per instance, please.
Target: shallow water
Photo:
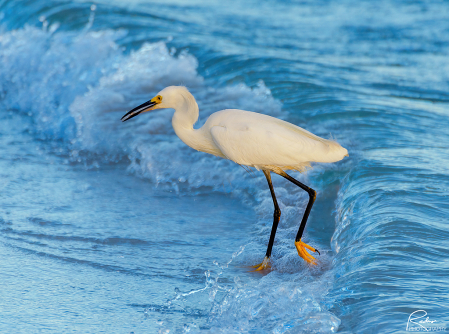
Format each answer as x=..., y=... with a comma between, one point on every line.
x=119, y=227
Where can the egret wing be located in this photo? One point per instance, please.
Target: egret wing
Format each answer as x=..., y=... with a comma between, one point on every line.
x=266, y=142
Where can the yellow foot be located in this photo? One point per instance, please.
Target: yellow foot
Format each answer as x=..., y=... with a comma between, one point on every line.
x=264, y=265
x=301, y=248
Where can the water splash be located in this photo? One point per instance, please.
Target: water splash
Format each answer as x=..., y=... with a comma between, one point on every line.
x=276, y=303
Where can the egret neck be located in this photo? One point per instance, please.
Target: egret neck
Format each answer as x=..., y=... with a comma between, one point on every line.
x=185, y=116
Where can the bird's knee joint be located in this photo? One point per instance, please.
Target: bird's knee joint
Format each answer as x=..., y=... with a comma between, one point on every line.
x=312, y=194
x=277, y=212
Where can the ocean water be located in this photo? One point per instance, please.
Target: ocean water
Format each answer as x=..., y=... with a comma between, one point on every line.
x=111, y=227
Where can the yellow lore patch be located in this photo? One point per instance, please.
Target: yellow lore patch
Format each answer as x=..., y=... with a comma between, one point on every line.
x=157, y=99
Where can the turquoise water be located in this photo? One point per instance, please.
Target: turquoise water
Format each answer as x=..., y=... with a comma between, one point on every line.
x=110, y=227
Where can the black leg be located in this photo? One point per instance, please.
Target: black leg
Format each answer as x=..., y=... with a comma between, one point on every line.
x=276, y=216
x=312, y=196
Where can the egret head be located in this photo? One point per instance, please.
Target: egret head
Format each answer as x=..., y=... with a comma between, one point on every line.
x=169, y=97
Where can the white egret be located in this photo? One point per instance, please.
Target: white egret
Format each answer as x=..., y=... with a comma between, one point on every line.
x=251, y=139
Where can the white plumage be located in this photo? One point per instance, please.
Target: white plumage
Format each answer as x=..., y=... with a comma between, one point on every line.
x=265, y=142
x=250, y=139
x=245, y=137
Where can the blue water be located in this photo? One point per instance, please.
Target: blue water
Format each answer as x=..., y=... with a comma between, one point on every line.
x=110, y=227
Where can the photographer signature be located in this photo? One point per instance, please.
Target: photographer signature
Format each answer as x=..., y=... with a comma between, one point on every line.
x=419, y=314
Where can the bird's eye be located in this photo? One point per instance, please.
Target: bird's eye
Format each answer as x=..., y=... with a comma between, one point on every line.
x=159, y=98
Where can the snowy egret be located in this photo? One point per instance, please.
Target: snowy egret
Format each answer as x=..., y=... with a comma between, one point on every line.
x=251, y=139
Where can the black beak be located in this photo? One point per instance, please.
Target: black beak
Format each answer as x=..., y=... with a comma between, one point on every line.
x=137, y=110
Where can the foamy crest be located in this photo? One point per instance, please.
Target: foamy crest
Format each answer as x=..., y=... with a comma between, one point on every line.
x=76, y=86
x=43, y=71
